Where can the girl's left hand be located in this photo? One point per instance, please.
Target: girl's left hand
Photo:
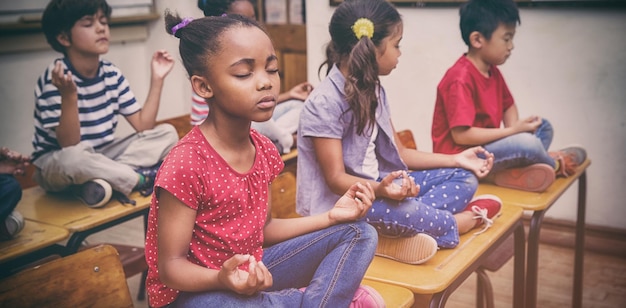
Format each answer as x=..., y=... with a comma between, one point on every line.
x=470, y=160
x=354, y=204
x=162, y=63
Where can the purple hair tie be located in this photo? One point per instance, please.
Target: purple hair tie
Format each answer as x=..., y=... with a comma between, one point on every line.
x=181, y=24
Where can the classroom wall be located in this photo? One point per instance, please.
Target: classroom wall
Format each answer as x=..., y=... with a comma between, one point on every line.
x=568, y=65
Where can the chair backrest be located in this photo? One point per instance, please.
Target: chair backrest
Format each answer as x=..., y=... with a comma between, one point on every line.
x=284, y=196
x=89, y=278
x=406, y=137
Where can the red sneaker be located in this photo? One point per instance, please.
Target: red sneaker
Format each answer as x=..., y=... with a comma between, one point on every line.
x=367, y=297
x=486, y=208
x=535, y=177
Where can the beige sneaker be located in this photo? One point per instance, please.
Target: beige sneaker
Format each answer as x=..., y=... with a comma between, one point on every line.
x=412, y=250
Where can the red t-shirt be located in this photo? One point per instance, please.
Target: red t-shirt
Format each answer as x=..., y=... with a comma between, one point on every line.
x=231, y=206
x=467, y=98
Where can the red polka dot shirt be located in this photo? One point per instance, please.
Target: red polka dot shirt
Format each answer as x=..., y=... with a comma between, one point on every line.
x=231, y=206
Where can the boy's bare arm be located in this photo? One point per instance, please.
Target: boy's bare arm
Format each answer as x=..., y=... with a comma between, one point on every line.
x=470, y=136
x=161, y=64
x=68, y=131
x=510, y=116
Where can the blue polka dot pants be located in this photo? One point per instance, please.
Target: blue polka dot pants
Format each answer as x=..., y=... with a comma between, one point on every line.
x=443, y=193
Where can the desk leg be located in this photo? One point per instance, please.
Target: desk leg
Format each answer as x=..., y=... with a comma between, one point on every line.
x=580, y=242
x=77, y=238
x=518, y=270
x=532, y=258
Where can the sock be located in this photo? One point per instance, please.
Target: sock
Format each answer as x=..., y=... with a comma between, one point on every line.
x=142, y=180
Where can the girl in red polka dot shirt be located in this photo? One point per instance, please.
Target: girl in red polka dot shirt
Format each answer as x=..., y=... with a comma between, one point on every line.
x=210, y=238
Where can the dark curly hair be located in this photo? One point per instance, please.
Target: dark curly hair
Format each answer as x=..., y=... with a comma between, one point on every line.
x=61, y=15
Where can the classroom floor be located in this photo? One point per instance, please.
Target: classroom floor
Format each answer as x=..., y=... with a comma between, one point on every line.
x=604, y=277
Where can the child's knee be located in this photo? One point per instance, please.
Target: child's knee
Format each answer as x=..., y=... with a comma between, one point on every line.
x=168, y=131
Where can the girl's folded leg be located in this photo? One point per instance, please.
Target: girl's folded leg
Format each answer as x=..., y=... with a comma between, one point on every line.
x=329, y=263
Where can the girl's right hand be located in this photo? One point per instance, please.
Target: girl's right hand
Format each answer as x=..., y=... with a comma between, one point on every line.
x=397, y=185
x=257, y=278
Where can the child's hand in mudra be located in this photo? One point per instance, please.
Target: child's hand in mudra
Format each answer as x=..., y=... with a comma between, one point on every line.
x=397, y=185
x=354, y=204
x=257, y=278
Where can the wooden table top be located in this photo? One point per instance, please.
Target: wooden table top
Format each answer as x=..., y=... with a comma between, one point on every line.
x=532, y=200
x=447, y=265
x=70, y=213
x=394, y=296
x=33, y=237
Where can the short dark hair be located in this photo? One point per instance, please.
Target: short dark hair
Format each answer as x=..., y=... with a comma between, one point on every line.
x=484, y=16
x=200, y=39
x=217, y=7
x=61, y=15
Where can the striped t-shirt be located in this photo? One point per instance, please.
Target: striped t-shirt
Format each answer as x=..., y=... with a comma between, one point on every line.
x=100, y=100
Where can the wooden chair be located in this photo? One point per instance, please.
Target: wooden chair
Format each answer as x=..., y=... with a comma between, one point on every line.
x=89, y=278
x=284, y=196
x=35, y=200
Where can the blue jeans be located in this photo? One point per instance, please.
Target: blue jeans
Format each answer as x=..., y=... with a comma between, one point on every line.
x=330, y=263
x=443, y=193
x=522, y=149
x=10, y=195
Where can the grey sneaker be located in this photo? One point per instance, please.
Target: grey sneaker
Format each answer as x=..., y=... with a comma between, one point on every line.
x=11, y=226
x=94, y=193
x=569, y=159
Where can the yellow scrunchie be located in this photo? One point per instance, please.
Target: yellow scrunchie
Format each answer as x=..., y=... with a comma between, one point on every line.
x=363, y=27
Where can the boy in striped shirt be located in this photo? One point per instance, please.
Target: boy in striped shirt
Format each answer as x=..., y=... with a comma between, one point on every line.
x=77, y=102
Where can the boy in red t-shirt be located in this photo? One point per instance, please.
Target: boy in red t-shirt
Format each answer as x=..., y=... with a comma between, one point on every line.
x=473, y=101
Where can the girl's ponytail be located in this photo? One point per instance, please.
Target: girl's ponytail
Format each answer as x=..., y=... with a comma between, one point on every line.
x=362, y=83
x=356, y=29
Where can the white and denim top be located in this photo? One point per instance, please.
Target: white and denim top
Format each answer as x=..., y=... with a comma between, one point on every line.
x=326, y=115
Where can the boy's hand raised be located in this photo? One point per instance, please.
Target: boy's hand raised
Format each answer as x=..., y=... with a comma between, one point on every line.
x=64, y=82
x=257, y=278
x=353, y=205
x=301, y=91
x=162, y=64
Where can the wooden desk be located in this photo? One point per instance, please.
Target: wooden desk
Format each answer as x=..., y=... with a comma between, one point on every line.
x=36, y=240
x=394, y=296
x=435, y=280
x=539, y=203
x=69, y=213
